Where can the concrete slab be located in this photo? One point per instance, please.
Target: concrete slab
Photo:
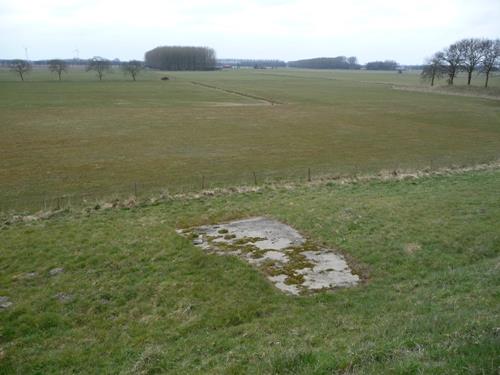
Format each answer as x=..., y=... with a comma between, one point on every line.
x=292, y=263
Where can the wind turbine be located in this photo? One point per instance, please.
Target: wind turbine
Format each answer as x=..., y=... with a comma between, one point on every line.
x=76, y=53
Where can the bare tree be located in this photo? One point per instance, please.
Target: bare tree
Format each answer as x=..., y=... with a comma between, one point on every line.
x=491, y=57
x=133, y=68
x=453, y=57
x=20, y=67
x=353, y=62
x=433, y=68
x=99, y=65
x=58, y=66
x=472, y=53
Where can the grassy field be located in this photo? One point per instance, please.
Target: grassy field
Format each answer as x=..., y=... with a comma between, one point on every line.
x=86, y=138
x=136, y=298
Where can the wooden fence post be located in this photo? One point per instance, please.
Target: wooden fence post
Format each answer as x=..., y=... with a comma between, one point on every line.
x=309, y=174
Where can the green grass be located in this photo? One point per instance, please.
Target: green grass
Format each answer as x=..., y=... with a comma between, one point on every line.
x=86, y=138
x=146, y=301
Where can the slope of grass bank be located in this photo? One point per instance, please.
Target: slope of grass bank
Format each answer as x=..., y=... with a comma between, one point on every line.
x=134, y=297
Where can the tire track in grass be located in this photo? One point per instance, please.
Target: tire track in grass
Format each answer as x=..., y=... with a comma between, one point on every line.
x=251, y=96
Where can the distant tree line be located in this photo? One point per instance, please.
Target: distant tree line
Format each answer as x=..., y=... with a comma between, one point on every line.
x=466, y=55
x=181, y=58
x=251, y=63
x=342, y=62
x=339, y=62
x=262, y=63
x=382, y=65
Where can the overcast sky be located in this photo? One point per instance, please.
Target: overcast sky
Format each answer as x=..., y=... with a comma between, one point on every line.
x=406, y=31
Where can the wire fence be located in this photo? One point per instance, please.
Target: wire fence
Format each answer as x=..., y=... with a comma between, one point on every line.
x=178, y=183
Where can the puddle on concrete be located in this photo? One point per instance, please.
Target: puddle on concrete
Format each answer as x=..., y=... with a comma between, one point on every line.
x=291, y=262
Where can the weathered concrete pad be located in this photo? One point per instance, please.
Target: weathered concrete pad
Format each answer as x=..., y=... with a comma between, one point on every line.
x=292, y=263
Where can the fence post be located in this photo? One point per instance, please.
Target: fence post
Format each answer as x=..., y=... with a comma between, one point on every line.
x=309, y=174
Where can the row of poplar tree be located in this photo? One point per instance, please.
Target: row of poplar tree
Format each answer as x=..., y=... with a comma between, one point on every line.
x=180, y=58
x=466, y=55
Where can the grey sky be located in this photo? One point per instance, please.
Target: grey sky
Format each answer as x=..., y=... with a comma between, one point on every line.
x=406, y=31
